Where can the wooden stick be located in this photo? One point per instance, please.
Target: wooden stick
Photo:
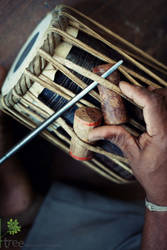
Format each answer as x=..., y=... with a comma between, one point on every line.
x=83, y=46
x=84, y=72
x=139, y=65
x=95, y=35
x=124, y=41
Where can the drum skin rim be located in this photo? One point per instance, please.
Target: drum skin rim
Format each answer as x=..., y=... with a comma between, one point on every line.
x=41, y=28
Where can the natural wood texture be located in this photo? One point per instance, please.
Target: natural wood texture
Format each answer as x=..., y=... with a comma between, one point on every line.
x=112, y=105
x=85, y=120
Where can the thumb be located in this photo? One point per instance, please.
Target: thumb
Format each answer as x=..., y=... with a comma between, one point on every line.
x=117, y=135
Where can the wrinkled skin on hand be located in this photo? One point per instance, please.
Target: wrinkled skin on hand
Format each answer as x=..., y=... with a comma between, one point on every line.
x=147, y=154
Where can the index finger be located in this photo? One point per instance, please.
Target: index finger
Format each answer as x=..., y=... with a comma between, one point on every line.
x=139, y=95
x=154, y=107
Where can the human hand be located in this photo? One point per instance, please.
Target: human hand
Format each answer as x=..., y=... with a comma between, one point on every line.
x=147, y=154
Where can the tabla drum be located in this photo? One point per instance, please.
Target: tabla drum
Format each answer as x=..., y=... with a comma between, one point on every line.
x=56, y=63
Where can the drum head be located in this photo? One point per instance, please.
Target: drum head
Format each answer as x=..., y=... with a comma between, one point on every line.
x=26, y=54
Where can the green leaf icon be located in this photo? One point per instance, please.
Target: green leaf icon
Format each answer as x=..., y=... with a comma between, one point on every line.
x=13, y=226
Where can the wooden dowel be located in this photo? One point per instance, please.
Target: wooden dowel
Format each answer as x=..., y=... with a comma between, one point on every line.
x=85, y=120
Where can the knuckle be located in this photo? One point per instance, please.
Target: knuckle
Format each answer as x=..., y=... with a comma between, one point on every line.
x=154, y=100
x=119, y=138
